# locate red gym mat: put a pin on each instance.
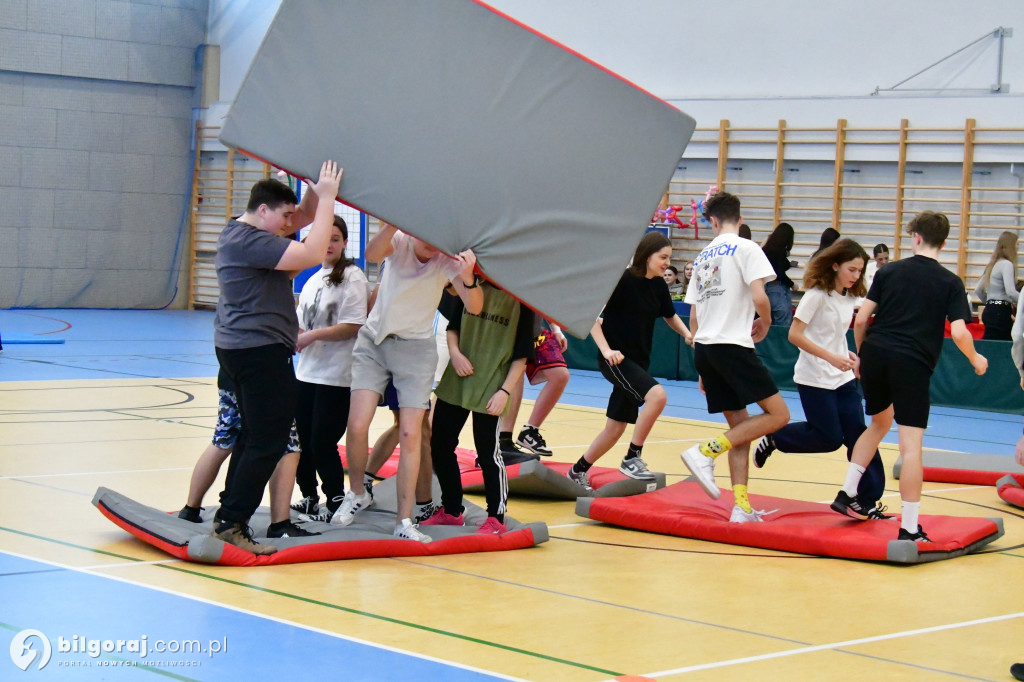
(682, 509)
(369, 537)
(1011, 490)
(944, 466)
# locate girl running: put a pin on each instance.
(623, 340)
(824, 372)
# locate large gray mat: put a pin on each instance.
(468, 130)
(371, 535)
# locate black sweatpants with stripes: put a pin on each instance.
(444, 438)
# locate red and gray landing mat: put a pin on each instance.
(370, 536)
(1011, 489)
(683, 510)
(534, 478)
(945, 466)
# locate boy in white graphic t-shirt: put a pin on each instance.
(726, 289)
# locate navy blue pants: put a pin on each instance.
(834, 418)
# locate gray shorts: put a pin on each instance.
(409, 363)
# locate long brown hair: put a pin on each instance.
(1006, 247)
(652, 243)
(337, 273)
(820, 273)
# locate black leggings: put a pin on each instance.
(267, 394)
(444, 438)
(321, 420)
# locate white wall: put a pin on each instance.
(755, 62)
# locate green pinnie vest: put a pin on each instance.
(487, 340)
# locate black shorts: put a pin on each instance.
(733, 376)
(895, 379)
(631, 383)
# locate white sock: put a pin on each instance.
(853, 475)
(911, 511)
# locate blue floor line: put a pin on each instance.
(64, 603)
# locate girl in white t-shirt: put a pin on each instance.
(824, 372)
(331, 310)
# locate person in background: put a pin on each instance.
(997, 288)
(675, 286)
(828, 237)
(745, 232)
(780, 290)
(880, 258)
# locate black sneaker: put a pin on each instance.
(877, 513)
(307, 505)
(191, 514)
(531, 440)
(765, 448)
(849, 506)
(325, 512)
(919, 536)
(1017, 670)
(511, 458)
(289, 530)
(509, 448)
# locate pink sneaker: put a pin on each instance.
(492, 526)
(442, 518)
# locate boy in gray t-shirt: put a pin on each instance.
(255, 331)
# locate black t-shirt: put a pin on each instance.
(630, 314)
(780, 263)
(914, 298)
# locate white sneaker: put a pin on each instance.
(703, 469)
(754, 516)
(350, 506)
(410, 531)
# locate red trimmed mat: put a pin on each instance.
(1011, 490)
(536, 478)
(682, 509)
(369, 537)
(944, 466)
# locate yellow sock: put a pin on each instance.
(739, 492)
(713, 448)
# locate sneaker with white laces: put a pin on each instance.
(635, 467)
(443, 518)
(530, 439)
(580, 478)
(350, 506)
(422, 512)
(765, 448)
(307, 505)
(703, 469)
(492, 526)
(849, 506)
(740, 516)
(409, 531)
(325, 512)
